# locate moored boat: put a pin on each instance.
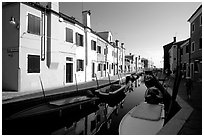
(110, 92)
(148, 117)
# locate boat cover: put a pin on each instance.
(147, 111)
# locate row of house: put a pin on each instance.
(39, 43)
(135, 63)
(187, 53)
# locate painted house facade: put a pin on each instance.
(166, 49)
(196, 44)
(185, 58)
(39, 43)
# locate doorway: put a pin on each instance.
(93, 70)
(69, 72)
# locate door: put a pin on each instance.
(191, 70)
(93, 70)
(69, 72)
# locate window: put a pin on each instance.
(107, 64)
(187, 49)
(184, 66)
(33, 24)
(79, 39)
(196, 66)
(99, 49)
(69, 59)
(93, 45)
(193, 27)
(181, 51)
(33, 64)
(104, 67)
(200, 43)
(99, 67)
(69, 35)
(192, 46)
(80, 65)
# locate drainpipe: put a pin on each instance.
(117, 41)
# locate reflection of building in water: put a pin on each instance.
(100, 115)
(91, 125)
(80, 127)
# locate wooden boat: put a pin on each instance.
(51, 107)
(110, 92)
(147, 118)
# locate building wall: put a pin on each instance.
(80, 54)
(52, 49)
(196, 35)
(10, 41)
(185, 59)
(173, 58)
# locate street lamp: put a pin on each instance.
(14, 22)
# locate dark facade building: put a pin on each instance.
(166, 48)
(196, 44)
(185, 58)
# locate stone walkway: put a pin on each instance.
(193, 125)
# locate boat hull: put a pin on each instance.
(136, 126)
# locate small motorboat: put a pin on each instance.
(110, 92)
(147, 118)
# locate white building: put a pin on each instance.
(40, 43)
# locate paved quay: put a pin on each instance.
(10, 97)
(193, 122)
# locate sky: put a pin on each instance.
(143, 27)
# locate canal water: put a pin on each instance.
(99, 118)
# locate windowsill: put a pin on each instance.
(196, 72)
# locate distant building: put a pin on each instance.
(196, 44)
(166, 54)
(185, 58)
(175, 55)
(130, 63)
(144, 61)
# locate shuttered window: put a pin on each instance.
(80, 65)
(33, 24)
(69, 35)
(79, 39)
(99, 49)
(93, 45)
(33, 64)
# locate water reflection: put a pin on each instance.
(92, 118)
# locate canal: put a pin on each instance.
(131, 100)
(100, 118)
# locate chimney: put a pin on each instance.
(54, 6)
(117, 43)
(174, 39)
(86, 18)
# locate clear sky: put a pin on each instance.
(143, 27)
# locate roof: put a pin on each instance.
(180, 42)
(195, 13)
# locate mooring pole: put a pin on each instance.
(96, 81)
(76, 82)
